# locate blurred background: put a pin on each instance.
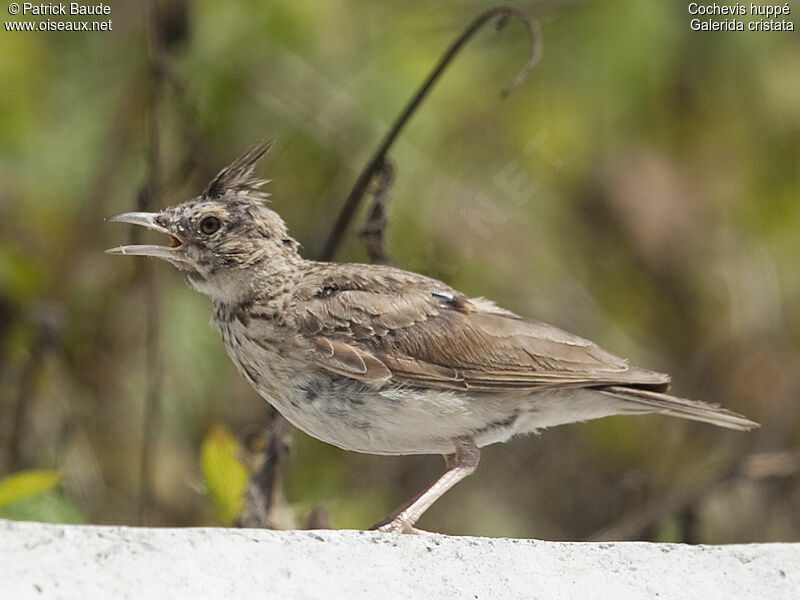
(641, 188)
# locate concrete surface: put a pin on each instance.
(66, 561)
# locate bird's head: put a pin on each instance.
(225, 238)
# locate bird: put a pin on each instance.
(375, 359)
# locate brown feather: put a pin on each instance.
(683, 408)
(344, 359)
(238, 175)
(428, 335)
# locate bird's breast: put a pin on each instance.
(262, 350)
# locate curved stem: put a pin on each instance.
(362, 183)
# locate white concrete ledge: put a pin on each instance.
(64, 561)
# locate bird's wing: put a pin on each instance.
(420, 332)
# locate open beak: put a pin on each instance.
(174, 252)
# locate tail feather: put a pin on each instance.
(680, 407)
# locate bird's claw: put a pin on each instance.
(400, 526)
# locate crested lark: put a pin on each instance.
(375, 359)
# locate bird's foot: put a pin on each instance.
(399, 525)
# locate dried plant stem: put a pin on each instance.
(373, 233)
(148, 199)
(262, 494)
(502, 13)
(49, 322)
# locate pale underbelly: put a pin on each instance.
(404, 420)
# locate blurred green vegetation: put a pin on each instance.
(642, 189)
(224, 476)
(31, 495)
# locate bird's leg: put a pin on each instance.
(459, 465)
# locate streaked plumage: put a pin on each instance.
(376, 359)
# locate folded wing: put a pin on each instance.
(432, 336)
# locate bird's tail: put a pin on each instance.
(656, 402)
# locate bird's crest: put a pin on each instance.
(238, 176)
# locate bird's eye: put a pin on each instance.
(209, 225)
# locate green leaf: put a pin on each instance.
(45, 507)
(24, 484)
(225, 477)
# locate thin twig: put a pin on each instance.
(7, 313)
(361, 185)
(373, 233)
(48, 318)
(148, 199)
(263, 491)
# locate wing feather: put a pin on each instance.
(420, 332)
(350, 361)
